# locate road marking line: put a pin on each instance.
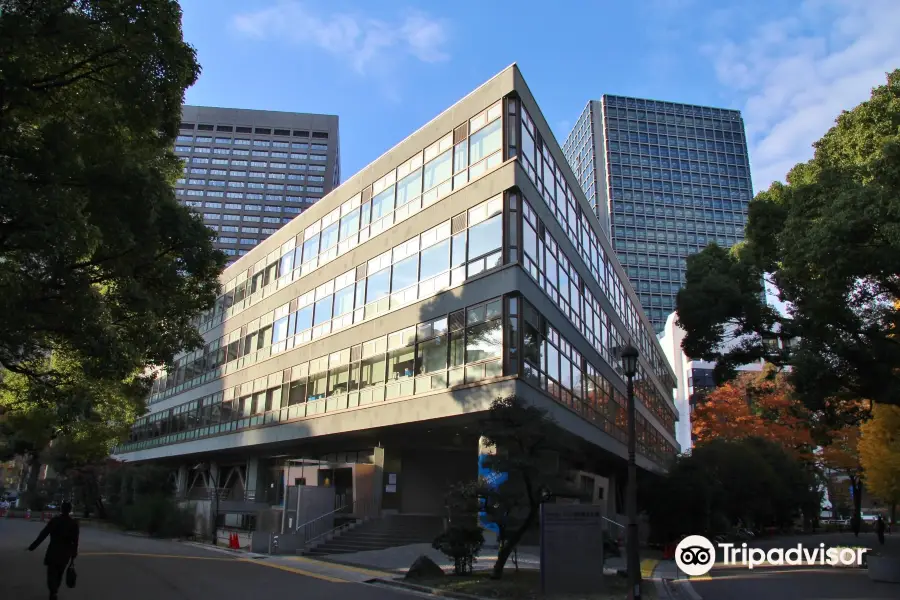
(244, 560)
(293, 570)
(647, 567)
(152, 555)
(335, 565)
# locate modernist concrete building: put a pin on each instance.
(665, 179)
(248, 172)
(358, 346)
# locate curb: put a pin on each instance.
(340, 563)
(229, 551)
(672, 587)
(423, 589)
(659, 583)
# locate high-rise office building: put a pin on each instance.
(248, 172)
(356, 349)
(665, 179)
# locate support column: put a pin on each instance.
(387, 477)
(212, 485)
(378, 484)
(181, 481)
(254, 487)
(212, 481)
(615, 505)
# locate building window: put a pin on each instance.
(484, 332)
(485, 142)
(433, 347)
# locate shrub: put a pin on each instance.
(156, 515)
(461, 543)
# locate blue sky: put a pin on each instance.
(387, 67)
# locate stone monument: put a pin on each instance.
(571, 548)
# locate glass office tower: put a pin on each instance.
(665, 179)
(249, 172)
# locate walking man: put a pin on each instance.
(879, 529)
(63, 548)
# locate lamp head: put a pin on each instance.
(629, 357)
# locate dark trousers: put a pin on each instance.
(881, 538)
(55, 574)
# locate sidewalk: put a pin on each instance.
(397, 560)
(393, 563)
(301, 565)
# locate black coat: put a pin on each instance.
(63, 532)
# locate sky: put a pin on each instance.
(387, 67)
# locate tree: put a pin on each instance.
(71, 424)
(102, 271)
(97, 258)
(829, 242)
(879, 454)
(755, 405)
(842, 456)
(723, 483)
(141, 498)
(526, 444)
(839, 495)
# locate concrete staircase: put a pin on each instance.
(380, 533)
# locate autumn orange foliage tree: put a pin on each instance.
(755, 405)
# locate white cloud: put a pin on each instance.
(797, 73)
(366, 44)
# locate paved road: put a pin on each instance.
(115, 566)
(799, 583)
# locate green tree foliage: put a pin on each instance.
(527, 446)
(462, 543)
(97, 259)
(829, 241)
(72, 423)
(102, 271)
(723, 483)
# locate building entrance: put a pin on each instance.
(341, 479)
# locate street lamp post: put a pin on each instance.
(629, 357)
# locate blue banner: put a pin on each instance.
(493, 480)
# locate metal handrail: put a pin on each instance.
(309, 541)
(328, 514)
(614, 522)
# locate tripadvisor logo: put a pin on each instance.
(695, 555)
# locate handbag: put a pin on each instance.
(71, 575)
